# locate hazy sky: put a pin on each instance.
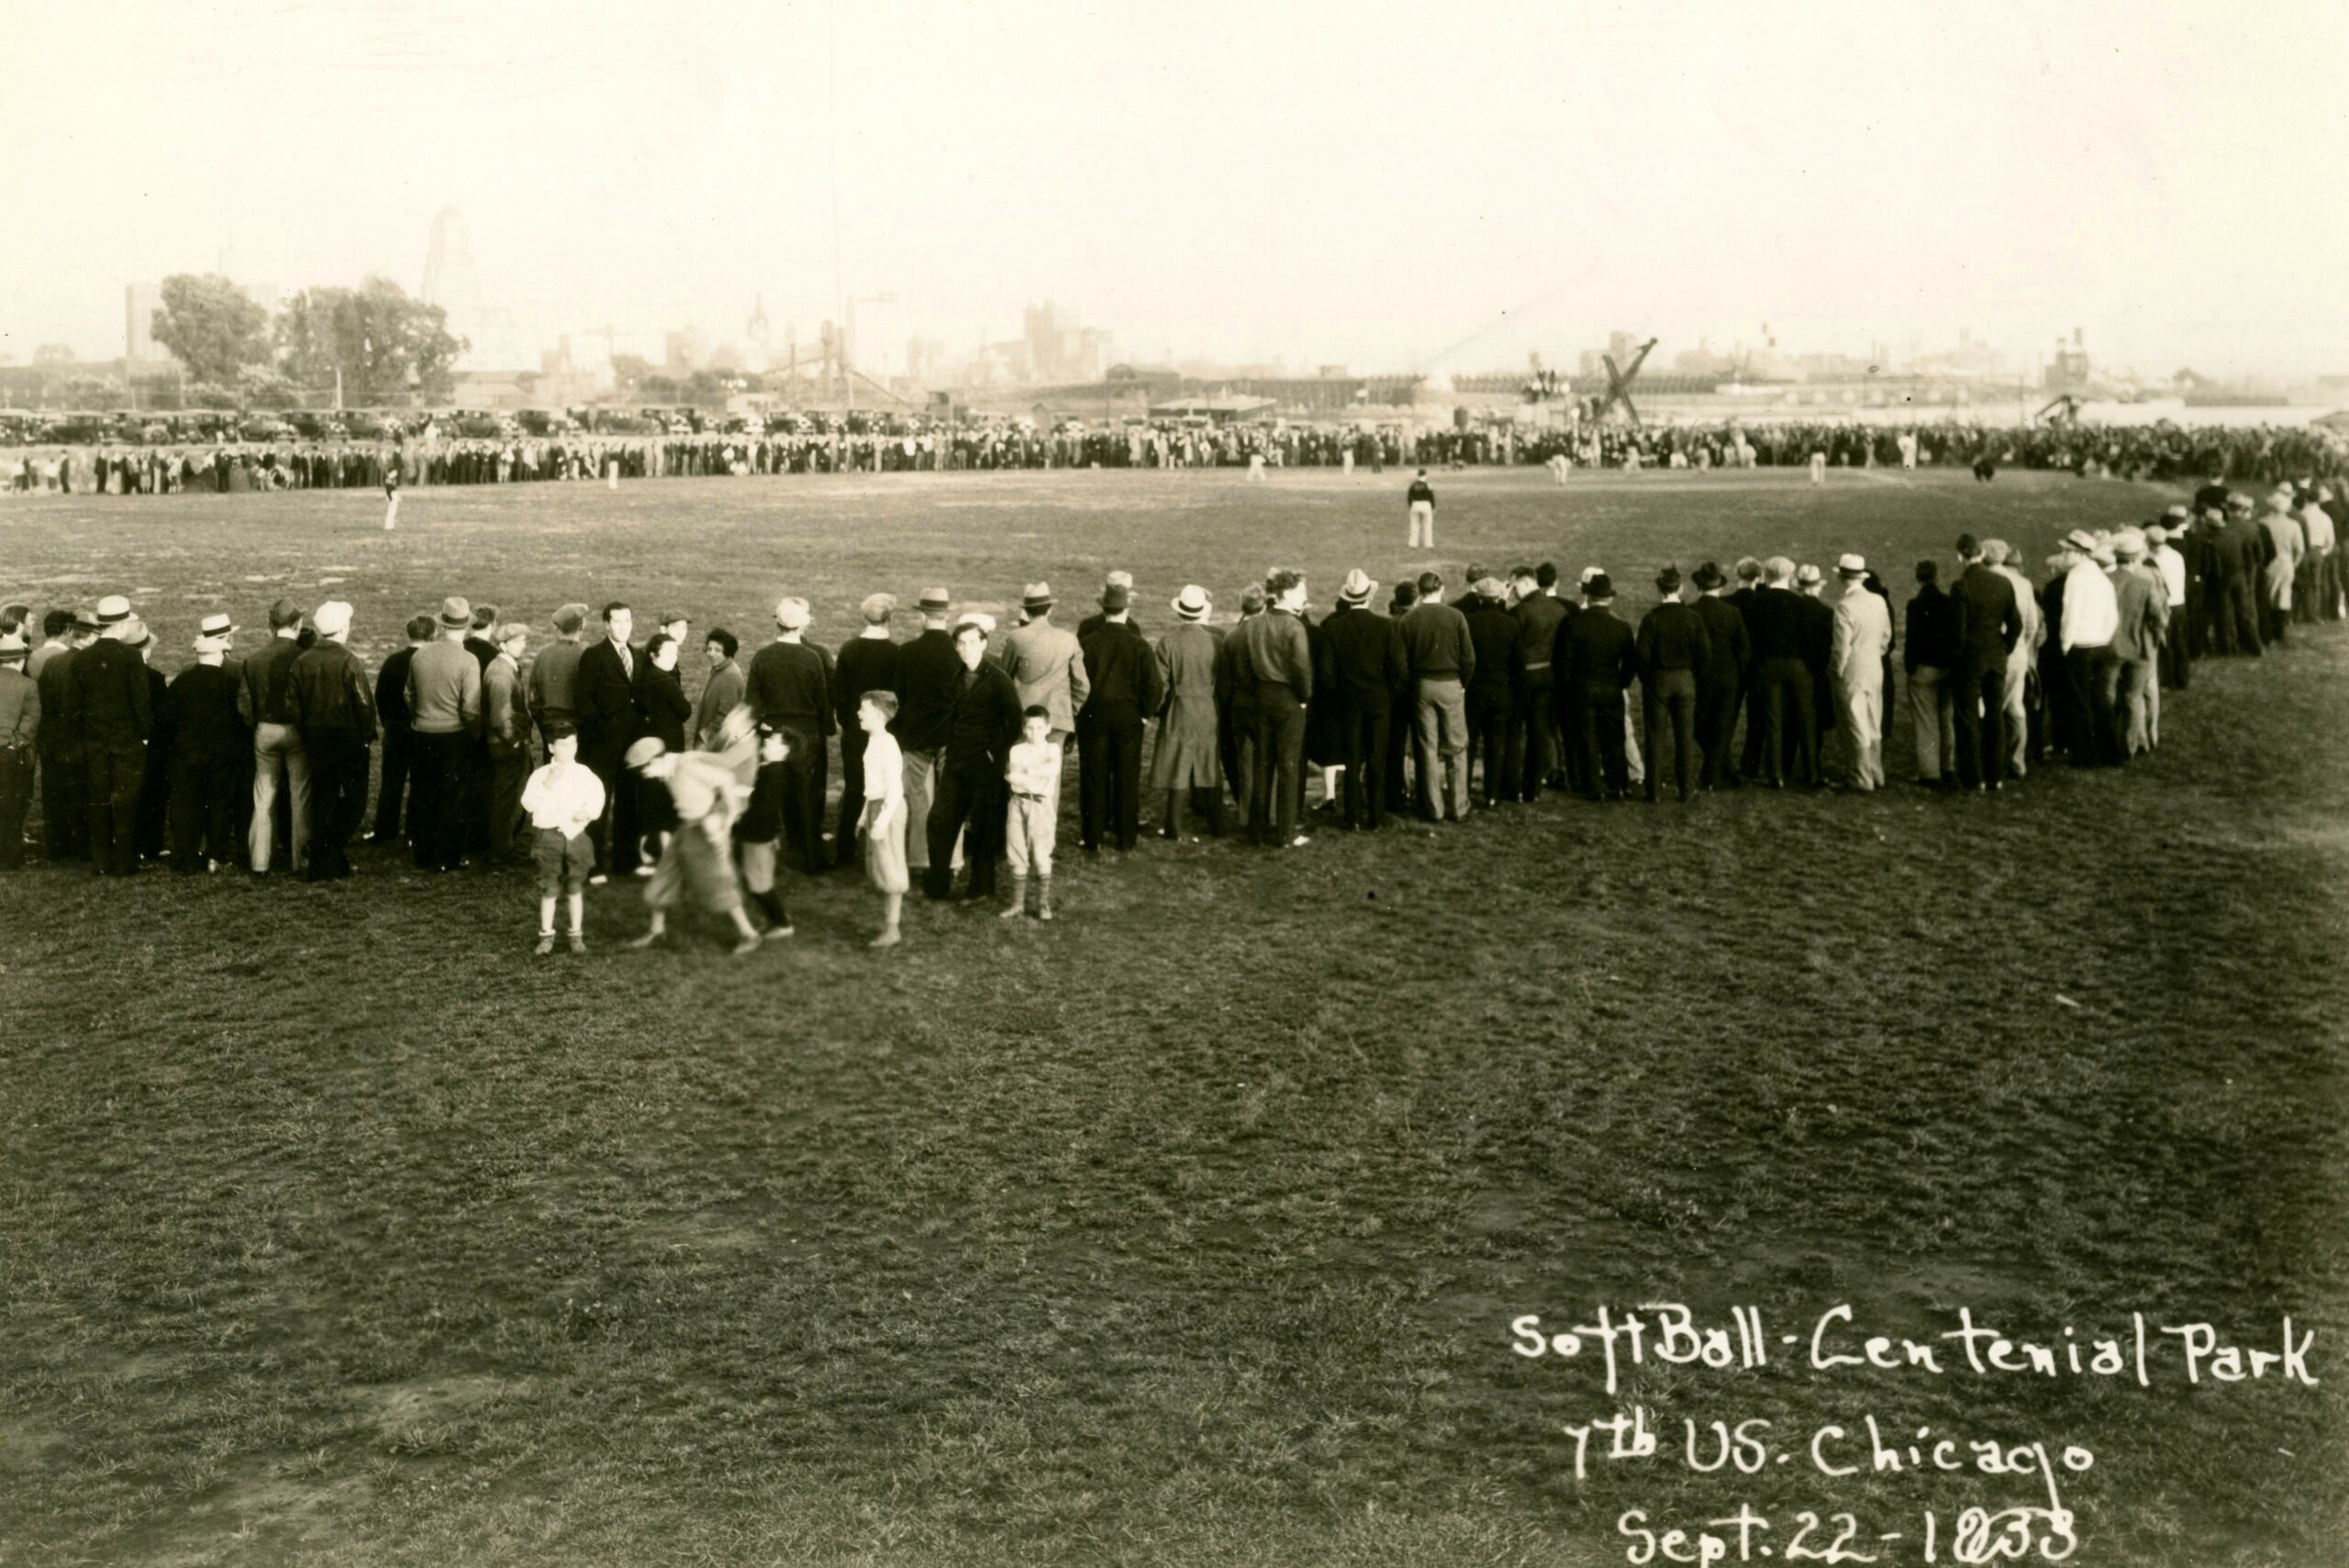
(1383, 185)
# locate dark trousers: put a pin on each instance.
(1236, 744)
(1790, 721)
(1717, 730)
(1532, 736)
(852, 742)
(439, 765)
(616, 834)
(338, 799)
(64, 809)
(509, 770)
(154, 802)
(2096, 724)
(2237, 620)
(1671, 700)
(203, 818)
(1108, 761)
(1978, 712)
(2177, 663)
(15, 801)
(117, 774)
(1490, 715)
(1278, 750)
(477, 828)
(1598, 726)
(969, 792)
(804, 773)
(1363, 725)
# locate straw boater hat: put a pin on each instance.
(2081, 541)
(980, 618)
(12, 649)
(216, 624)
(113, 610)
(1357, 588)
(1852, 565)
(134, 633)
(1036, 596)
(1192, 603)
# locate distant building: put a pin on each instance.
(1057, 348)
(2068, 371)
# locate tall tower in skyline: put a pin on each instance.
(450, 281)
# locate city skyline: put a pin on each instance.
(1444, 191)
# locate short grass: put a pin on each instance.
(1188, 1230)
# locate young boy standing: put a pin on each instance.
(882, 831)
(1033, 773)
(561, 799)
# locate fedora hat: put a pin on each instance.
(1192, 603)
(1357, 588)
(1707, 576)
(933, 599)
(456, 612)
(1036, 596)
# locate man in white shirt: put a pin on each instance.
(2091, 619)
(2023, 658)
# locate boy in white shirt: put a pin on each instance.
(1033, 773)
(882, 828)
(561, 799)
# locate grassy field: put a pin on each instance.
(1188, 1230)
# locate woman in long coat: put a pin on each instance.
(1188, 759)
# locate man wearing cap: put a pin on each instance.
(2168, 564)
(506, 728)
(1534, 736)
(111, 710)
(393, 718)
(554, 673)
(982, 723)
(328, 693)
(607, 689)
(1235, 697)
(1276, 653)
(1046, 665)
(1601, 657)
(2091, 619)
(1419, 503)
(64, 782)
(1988, 616)
(1489, 694)
(1362, 664)
(1862, 638)
(277, 745)
(1123, 687)
(2240, 552)
(929, 677)
(19, 735)
(867, 662)
(1721, 679)
(1443, 658)
(445, 716)
(210, 755)
(789, 687)
(1674, 648)
(1187, 761)
(2143, 607)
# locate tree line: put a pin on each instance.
(384, 345)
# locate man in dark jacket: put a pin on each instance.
(1720, 682)
(64, 783)
(1929, 659)
(1788, 714)
(609, 690)
(1742, 598)
(1123, 675)
(928, 678)
(391, 712)
(1817, 654)
(277, 745)
(1601, 657)
(789, 689)
(1491, 691)
(1361, 665)
(1533, 687)
(111, 712)
(1276, 656)
(981, 725)
(867, 662)
(209, 755)
(1672, 647)
(334, 709)
(1989, 620)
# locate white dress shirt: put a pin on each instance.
(2091, 610)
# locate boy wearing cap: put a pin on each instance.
(706, 797)
(335, 711)
(209, 755)
(1032, 776)
(563, 799)
(19, 732)
(867, 662)
(555, 672)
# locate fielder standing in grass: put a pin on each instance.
(1419, 502)
(881, 831)
(561, 799)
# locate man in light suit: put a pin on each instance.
(1046, 664)
(1863, 636)
(2145, 619)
